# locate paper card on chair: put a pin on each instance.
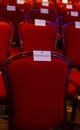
(45, 0)
(74, 13)
(45, 3)
(40, 22)
(11, 8)
(77, 24)
(20, 1)
(44, 11)
(42, 55)
(64, 1)
(69, 6)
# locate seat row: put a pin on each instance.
(59, 13)
(43, 36)
(37, 37)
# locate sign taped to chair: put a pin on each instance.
(69, 6)
(44, 11)
(74, 13)
(64, 1)
(20, 1)
(40, 22)
(77, 25)
(45, 3)
(11, 8)
(41, 55)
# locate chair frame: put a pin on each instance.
(10, 97)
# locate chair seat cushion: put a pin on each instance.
(75, 78)
(72, 92)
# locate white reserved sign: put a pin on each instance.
(42, 55)
(45, 3)
(45, 0)
(64, 1)
(44, 11)
(74, 13)
(20, 1)
(69, 6)
(11, 8)
(40, 22)
(77, 24)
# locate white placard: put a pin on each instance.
(45, 0)
(11, 8)
(45, 3)
(42, 55)
(40, 22)
(64, 1)
(20, 1)
(74, 13)
(44, 11)
(69, 6)
(77, 24)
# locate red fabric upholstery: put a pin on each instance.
(75, 78)
(71, 36)
(5, 41)
(40, 1)
(3, 2)
(65, 13)
(37, 37)
(77, 5)
(36, 91)
(66, 17)
(51, 16)
(72, 91)
(25, 6)
(39, 5)
(15, 17)
(2, 90)
(15, 50)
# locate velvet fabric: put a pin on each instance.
(5, 41)
(71, 36)
(37, 37)
(36, 91)
(15, 17)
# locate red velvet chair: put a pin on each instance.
(72, 49)
(71, 37)
(68, 13)
(71, 43)
(39, 5)
(48, 13)
(15, 15)
(6, 32)
(45, 14)
(33, 37)
(70, 16)
(6, 36)
(36, 91)
(26, 7)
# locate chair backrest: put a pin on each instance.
(70, 16)
(68, 13)
(36, 91)
(33, 37)
(71, 41)
(44, 13)
(50, 6)
(6, 33)
(14, 15)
